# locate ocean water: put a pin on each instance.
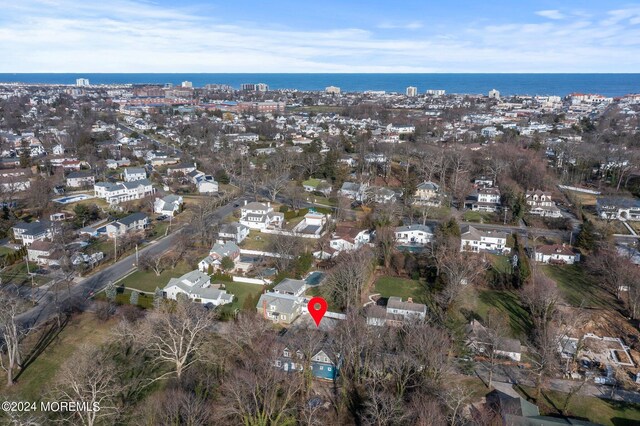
(507, 84)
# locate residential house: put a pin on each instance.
(181, 168)
(312, 223)
(196, 286)
(428, 193)
(317, 185)
(279, 307)
(235, 232)
(479, 340)
(116, 193)
(44, 253)
(206, 184)
(219, 251)
(169, 205)
(344, 238)
(291, 287)
(485, 200)
(80, 179)
(383, 195)
(556, 254)
(28, 233)
(324, 364)
(256, 215)
(475, 240)
(418, 235)
(132, 223)
(621, 208)
(132, 174)
(396, 312)
(540, 203)
(114, 164)
(354, 191)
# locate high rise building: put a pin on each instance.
(82, 82)
(412, 91)
(262, 87)
(435, 92)
(254, 87)
(187, 84)
(494, 94)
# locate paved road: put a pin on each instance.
(80, 292)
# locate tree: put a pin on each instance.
(459, 269)
(156, 263)
(12, 333)
(386, 243)
(89, 376)
(175, 335)
(587, 237)
(287, 247)
(496, 326)
(158, 297)
(346, 281)
(133, 299)
(111, 291)
(226, 263)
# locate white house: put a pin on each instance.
(427, 193)
(475, 240)
(134, 222)
(235, 231)
(312, 223)
(344, 238)
(116, 193)
(401, 129)
(541, 204)
(618, 208)
(486, 200)
(196, 286)
(354, 191)
(28, 233)
(396, 312)
(418, 235)
(556, 253)
(132, 174)
(260, 216)
(220, 250)
(479, 340)
(80, 179)
(43, 253)
(291, 286)
(169, 205)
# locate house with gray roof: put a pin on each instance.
(28, 233)
(621, 208)
(279, 307)
(116, 193)
(220, 250)
(476, 240)
(169, 205)
(80, 179)
(235, 232)
(132, 174)
(196, 286)
(132, 223)
(291, 286)
(414, 235)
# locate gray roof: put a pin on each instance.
(397, 303)
(618, 202)
(350, 186)
(226, 249)
(132, 218)
(231, 228)
(471, 233)
(284, 303)
(170, 199)
(136, 183)
(32, 228)
(429, 186)
(290, 286)
(80, 174)
(134, 171)
(415, 227)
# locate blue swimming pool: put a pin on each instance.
(314, 278)
(72, 199)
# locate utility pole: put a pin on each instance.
(136, 254)
(115, 246)
(33, 289)
(505, 216)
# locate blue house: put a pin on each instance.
(324, 364)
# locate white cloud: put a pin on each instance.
(550, 14)
(414, 25)
(126, 36)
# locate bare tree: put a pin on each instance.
(346, 281)
(90, 377)
(177, 406)
(385, 243)
(287, 247)
(12, 334)
(459, 270)
(156, 263)
(175, 335)
(496, 326)
(275, 183)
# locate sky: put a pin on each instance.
(326, 36)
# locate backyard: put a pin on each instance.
(148, 280)
(577, 287)
(389, 286)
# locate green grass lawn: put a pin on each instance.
(148, 281)
(401, 287)
(255, 241)
(38, 376)
(478, 217)
(241, 291)
(501, 263)
(601, 411)
(5, 250)
(508, 303)
(577, 287)
(17, 274)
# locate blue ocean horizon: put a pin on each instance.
(508, 84)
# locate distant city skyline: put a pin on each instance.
(323, 37)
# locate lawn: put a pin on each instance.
(255, 241)
(17, 274)
(401, 287)
(148, 281)
(577, 287)
(601, 411)
(241, 291)
(39, 374)
(478, 217)
(508, 303)
(5, 250)
(501, 263)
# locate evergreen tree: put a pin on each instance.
(111, 291)
(586, 238)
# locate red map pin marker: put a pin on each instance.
(317, 308)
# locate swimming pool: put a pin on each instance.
(72, 198)
(314, 278)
